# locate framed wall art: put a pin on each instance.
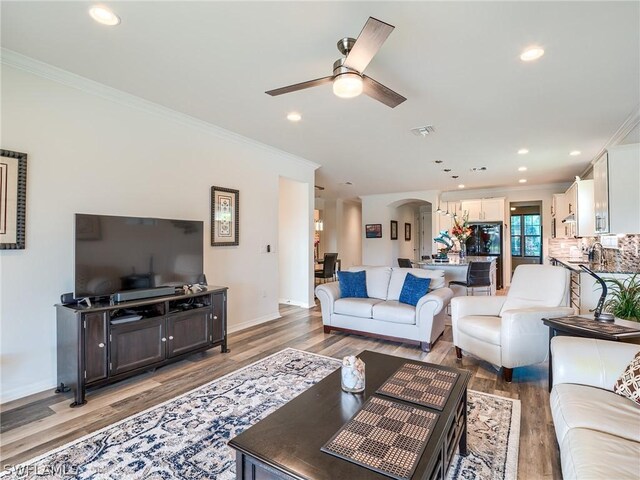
(13, 199)
(373, 230)
(225, 217)
(394, 230)
(407, 232)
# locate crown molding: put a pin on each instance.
(627, 126)
(64, 77)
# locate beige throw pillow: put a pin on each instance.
(628, 385)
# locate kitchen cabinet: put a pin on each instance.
(559, 211)
(486, 209)
(580, 219)
(616, 193)
(601, 194)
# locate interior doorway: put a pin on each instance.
(526, 234)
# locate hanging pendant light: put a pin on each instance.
(439, 210)
(448, 213)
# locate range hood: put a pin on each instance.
(571, 218)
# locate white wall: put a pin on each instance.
(116, 154)
(350, 232)
(382, 209)
(293, 244)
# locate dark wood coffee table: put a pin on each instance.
(286, 444)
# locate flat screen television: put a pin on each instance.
(115, 254)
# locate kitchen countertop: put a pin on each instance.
(574, 265)
(454, 261)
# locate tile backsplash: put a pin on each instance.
(626, 257)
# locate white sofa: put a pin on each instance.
(598, 431)
(381, 314)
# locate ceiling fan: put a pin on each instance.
(348, 79)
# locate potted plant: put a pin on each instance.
(623, 299)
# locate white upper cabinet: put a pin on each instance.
(601, 194)
(473, 208)
(486, 209)
(580, 218)
(617, 190)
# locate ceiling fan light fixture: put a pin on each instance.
(347, 85)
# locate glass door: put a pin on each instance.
(526, 239)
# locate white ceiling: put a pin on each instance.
(456, 62)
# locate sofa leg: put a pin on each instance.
(327, 329)
(507, 373)
(425, 346)
(458, 352)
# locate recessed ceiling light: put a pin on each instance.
(523, 180)
(523, 151)
(573, 153)
(455, 176)
(294, 117)
(446, 170)
(531, 53)
(522, 169)
(513, 209)
(104, 16)
(437, 161)
(461, 186)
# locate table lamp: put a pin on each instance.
(597, 313)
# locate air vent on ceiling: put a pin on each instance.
(423, 131)
(479, 169)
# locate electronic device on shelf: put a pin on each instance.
(130, 258)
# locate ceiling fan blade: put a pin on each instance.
(371, 38)
(299, 86)
(381, 93)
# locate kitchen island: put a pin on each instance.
(456, 269)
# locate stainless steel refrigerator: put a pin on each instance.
(486, 241)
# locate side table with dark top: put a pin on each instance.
(586, 326)
(287, 443)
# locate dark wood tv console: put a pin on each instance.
(106, 342)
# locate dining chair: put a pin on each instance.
(328, 267)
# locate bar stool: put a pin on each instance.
(478, 276)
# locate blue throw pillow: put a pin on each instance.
(353, 284)
(413, 289)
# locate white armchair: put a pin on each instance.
(508, 331)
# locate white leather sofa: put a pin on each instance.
(381, 314)
(598, 431)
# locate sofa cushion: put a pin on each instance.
(628, 385)
(413, 289)
(355, 307)
(482, 327)
(579, 406)
(590, 454)
(353, 284)
(394, 312)
(398, 275)
(377, 280)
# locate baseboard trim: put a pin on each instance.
(255, 321)
(287, 301)
(31, 389)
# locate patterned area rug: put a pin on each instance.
(185, 438)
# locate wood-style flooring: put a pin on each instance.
(41, 422)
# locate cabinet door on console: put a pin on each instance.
(137, 344)
(95, 345)
(219, 312)
(188, 330)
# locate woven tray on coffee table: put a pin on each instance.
(384, 436)
(429, 386)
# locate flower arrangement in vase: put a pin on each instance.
(461, 231)
(447, 241)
